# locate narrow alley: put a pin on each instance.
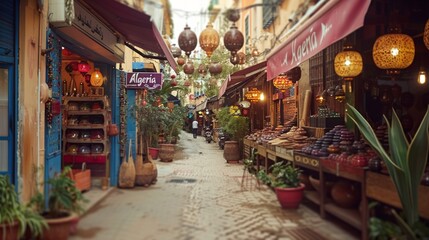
(200, 196)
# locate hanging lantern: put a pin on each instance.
(181, 61)
(348, 63)
(96, 78)
(340, 95)
(188, 68)
(233, 39)
(233, 15)
(187, 83)
(393, 52)
(426, 34)
(241, 58)
(282, 82)
(421, 79)
(176, 51)
(209, 40)
(83, 67)
(88, 79)
(255, 52)
(294, 74)
(253, 95)
(215, 68)
(187, 40)
(202, 69)
(234, 59)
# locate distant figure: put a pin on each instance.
(195, 128)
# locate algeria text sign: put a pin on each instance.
(144, 80)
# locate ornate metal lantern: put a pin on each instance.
(83, 67)
(176, 51)
(233, 15)
(188, 68)
(233, 39)
(234, 59)
(348, 63)
(241, 58)
(209, 40)
(340, 95)
(187, 40)
(202, 69)
(215, 68)
(282, 82)
(426, 34)
(393, 52)
(253, 95)
(180, 61)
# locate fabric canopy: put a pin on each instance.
(334, 21)
(134, 25)
(241, 76)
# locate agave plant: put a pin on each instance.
(405, 162)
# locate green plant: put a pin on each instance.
(173, 122)
(12, 210)
(405, 163)
(64, 197)
(283, 175)
(249, 163)
(234, 125)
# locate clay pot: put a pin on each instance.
(290, 197)
(231, 152)
(166, 152)
(346, 194)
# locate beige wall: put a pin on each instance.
(32, 38)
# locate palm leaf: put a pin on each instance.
(367, 132)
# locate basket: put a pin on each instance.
(82, 178)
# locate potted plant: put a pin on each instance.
(64, 202)
(286, 181)
(236, 127)
(405, 164)
(173, 120)
(16, 218)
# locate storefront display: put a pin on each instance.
(85, 133)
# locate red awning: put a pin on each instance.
(241, 76)
(134, 25)
(332, 22)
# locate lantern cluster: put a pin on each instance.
(253, 95)
(393, 51)
(282, 82)
(348, 63)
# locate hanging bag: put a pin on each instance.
(127, 171)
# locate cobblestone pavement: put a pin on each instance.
(200, 196)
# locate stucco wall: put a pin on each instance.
(30, 141)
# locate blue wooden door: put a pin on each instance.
(7, 128)
(53, 123)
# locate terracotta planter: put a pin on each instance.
(290, 197)
(154, 152)
(231, 152)
(59, 228)
(10, 231)
(166, 152)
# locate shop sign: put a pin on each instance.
(339, 21)
(144, 80)
(94, 28)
